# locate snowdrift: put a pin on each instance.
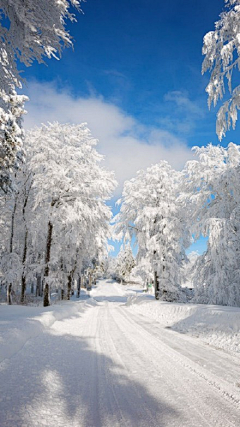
(216, 325)
(18, 324)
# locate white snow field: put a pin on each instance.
(112, 360)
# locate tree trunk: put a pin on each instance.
(156, 285)
(69, 287)
(9, 294)
(23, 288)
(71, 277)
(24, 257)
(9, 286)
(62, 294)
(46, 301)
(78, 286)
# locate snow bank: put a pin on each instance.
(216, 325)
(20, 323)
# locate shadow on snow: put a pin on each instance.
(69, 382)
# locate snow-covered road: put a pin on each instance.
(109, 366)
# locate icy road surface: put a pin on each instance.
(108, 366)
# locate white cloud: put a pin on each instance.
(127, 145)
(182, 101)
(183, 114)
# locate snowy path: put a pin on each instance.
(109, 366)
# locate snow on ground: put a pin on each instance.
(216, 325)
(18, 323)
(104, 362)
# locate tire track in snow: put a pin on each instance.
(159, 351)
(134, 399)
(218, 368)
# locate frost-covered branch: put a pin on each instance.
(221, 48)
(30, 31)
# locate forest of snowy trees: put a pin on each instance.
(55, 222)
(54, 219)
(164, 209)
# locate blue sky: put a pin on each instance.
(135, 77)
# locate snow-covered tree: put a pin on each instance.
(71, 189)
(110, 267)
(32, 30)
(10, 267)
(125, 262)
(221, 48)
(143, 271)
(151, 212)
(15, 225)
(213, 197)
(57, 222)
(29, 30)
(189, 268)
(11, 137)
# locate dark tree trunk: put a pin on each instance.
(78, 287)
(9, 294)
(48, 249)
(71, 278)
(156, 278)
(69, 286)
(23, 288)
(62, 294)
(156, 285)
(24, 257)
(46, 301)
(46, 295)
(9, 286)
